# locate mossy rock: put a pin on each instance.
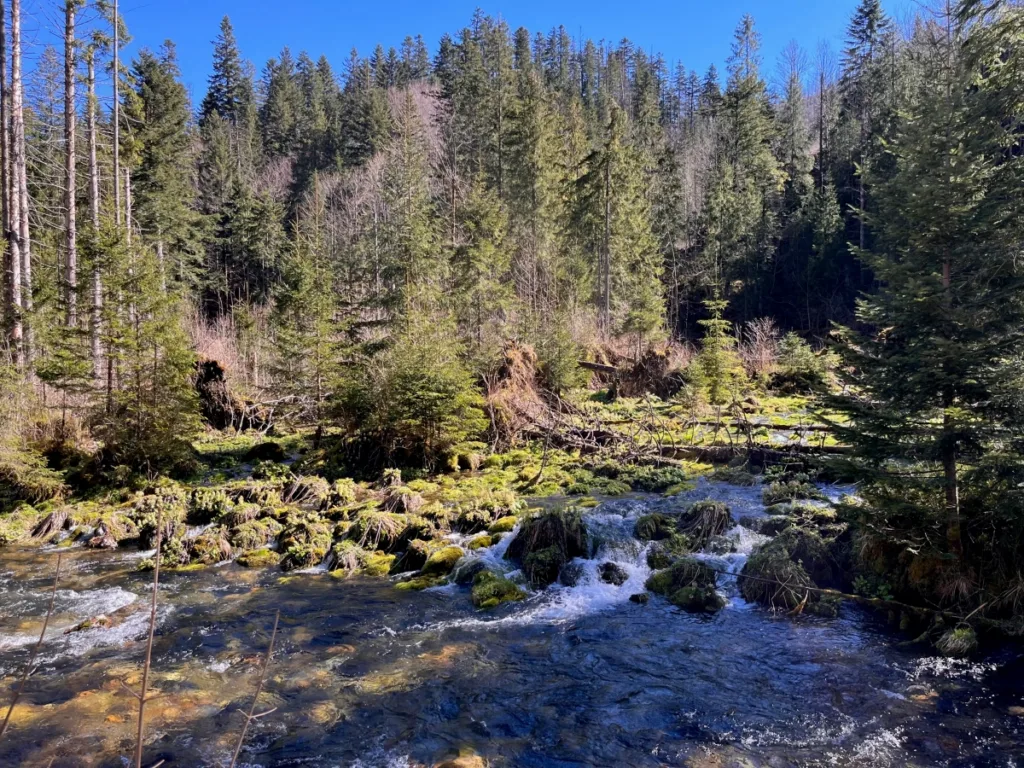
(686, 572)
(958, 642)
(442, 562)
(704, 520)
(206, 505)
(547, 542)
(809, 550)
(655, 527)
(344, 491)
(255, 534)
(241, 512)
(480, 542)
(793, 490)
(169, 507)
(491, 590)
(258, 558)
(305, 542)
(374, 529)
(415, 555)
(734, 476)
(419, 583)
(210, 547)
(613, 573)
(697, 599)
(771, 579)
(348, 558)
(503, 524)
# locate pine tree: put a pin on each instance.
(935, 414)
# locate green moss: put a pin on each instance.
(546, 542)
(305, 541)
(210, 547)
(961, 641)
(442, 562)
(490, 590)
(255, 534)
(654, 527)
(17, 526)
(503, 524)
(258, 558)
(480, 542)
(697, 599)
(374, 529)
(419, 583)
(792, 490)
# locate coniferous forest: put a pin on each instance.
(518, 315)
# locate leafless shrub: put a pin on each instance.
(759, 347)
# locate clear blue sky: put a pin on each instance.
(696, 32)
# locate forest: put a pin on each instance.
(402, 318)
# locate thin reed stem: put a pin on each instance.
(30, 667)
(259, 689)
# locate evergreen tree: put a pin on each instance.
(935, 414)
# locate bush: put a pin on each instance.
(799, 368)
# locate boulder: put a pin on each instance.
(689, 584)
(613, 573)
(490, 590)
(546, 542)
(704, 520)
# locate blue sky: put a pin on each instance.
(696, 32)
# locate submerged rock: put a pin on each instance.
(571, 574)
(490, 590)
(641, 597)
(546, 542)
(613, 573)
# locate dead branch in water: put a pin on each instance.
(251, 715)
(30, 667)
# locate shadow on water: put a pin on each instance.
(365, 675)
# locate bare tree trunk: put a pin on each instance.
(117, 119)
(94, 212)
(12, 256)
(70, 182)
(19, 184)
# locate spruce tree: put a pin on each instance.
(934, 414)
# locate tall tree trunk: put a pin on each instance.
(117, 118)
(12, 254)
(70, 183)
(19, 184)
(96, 328)
(606, 288)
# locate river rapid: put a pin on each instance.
(367, 675)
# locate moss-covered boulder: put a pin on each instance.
(259, 558)
(169, 507)
(255, 534)
(811, 551)
(348, 558)
(415, 555)
(481, 542)
(546, 542)
(704, 520)
(491, 590)
(957, 642)
(442, 562)
(210, 547)
(503, 524)
(304, 541)
(688, 584)
(770, 578)
(206, 505)
(375, 529)
(242, 512)
(792, 490)
(655, 527)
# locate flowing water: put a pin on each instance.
(366, 675)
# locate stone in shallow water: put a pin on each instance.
(641, 598)
(613, 573)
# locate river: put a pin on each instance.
(366, 675)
